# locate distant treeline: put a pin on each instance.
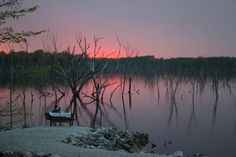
(29, 66)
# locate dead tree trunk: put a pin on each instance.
(129, 92)
(11, 92)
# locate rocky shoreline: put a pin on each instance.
(110, 139)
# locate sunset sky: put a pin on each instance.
(164, 28)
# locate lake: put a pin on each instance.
(177, 114)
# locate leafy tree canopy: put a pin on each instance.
(12, 9)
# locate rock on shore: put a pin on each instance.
(111, 139)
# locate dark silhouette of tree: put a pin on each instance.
(12, 9)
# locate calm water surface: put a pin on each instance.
(177, 115)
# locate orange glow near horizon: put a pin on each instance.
(5, 49)
(108, 54)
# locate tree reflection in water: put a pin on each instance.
(176, 106)
(192, 115)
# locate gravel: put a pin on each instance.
(49, 140)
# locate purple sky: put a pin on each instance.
(164, 28)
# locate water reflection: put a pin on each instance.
(195, 112)
(192, 118)
(171, 90)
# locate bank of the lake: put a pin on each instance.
(49, 140)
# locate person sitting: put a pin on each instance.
(56, 109)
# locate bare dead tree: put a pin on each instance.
(79, 68)
(51, 42)
(74, 72)
(129, 53)
(215, 88)
(25, 47)
(97, 69)
(158, 91)
(129, 93)
(71, 75)
(113, 92)
(11, 94)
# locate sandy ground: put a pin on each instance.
(49, 140)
